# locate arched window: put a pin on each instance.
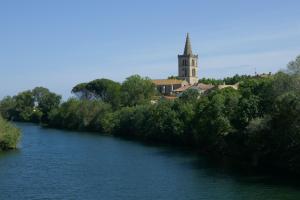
(194, 72)
(193, 62)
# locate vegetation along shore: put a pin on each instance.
(258, 123)
(9, 135)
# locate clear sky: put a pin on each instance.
(59, 43)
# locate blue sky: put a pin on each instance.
(59, 43)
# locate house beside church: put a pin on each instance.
(168, 86)
(200, 87)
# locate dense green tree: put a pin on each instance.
(7, 108)
(9, 135)
(285, 126)
(190, 95)
(228, 80)
(101, 89)
(24, 106)
(122, 122)
(80, 115)
(163, 123)
(236, 78)
(246, 110)
(137, 90)
(284, 83)
(45, 101)
(106, 90)
(81, 91)
(213, 119)
(294, 66)
(210, 81)
(186, 114)
(30, 106)
(260, 87)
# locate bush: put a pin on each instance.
(80, 115)
(9, 135)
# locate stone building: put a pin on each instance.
(187, 72)
(167, 86)
(200, 87)
(188, 64)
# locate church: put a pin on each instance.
(187, 72)
(187, 76)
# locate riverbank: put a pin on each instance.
(224, 160)
(59, 164)
(9, 135)
(256, 124)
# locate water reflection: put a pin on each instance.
(55, 164)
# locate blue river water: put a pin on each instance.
(56, 164)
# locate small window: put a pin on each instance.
(193, 62)
(194, 72)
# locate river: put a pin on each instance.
(57, 164)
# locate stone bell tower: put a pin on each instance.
(188, 64)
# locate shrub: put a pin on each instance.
(9, 135)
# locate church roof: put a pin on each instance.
(183, 88)
(188, 46)
(198, 86)
(167, 81)
(204, 87)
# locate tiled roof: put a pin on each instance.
(183, 88)
(204, 87)
(199, 86)
(167, 81)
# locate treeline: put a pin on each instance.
(30, 106)
(228, 80)
(258, 124)
(133, 91)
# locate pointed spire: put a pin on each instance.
(188, 46)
